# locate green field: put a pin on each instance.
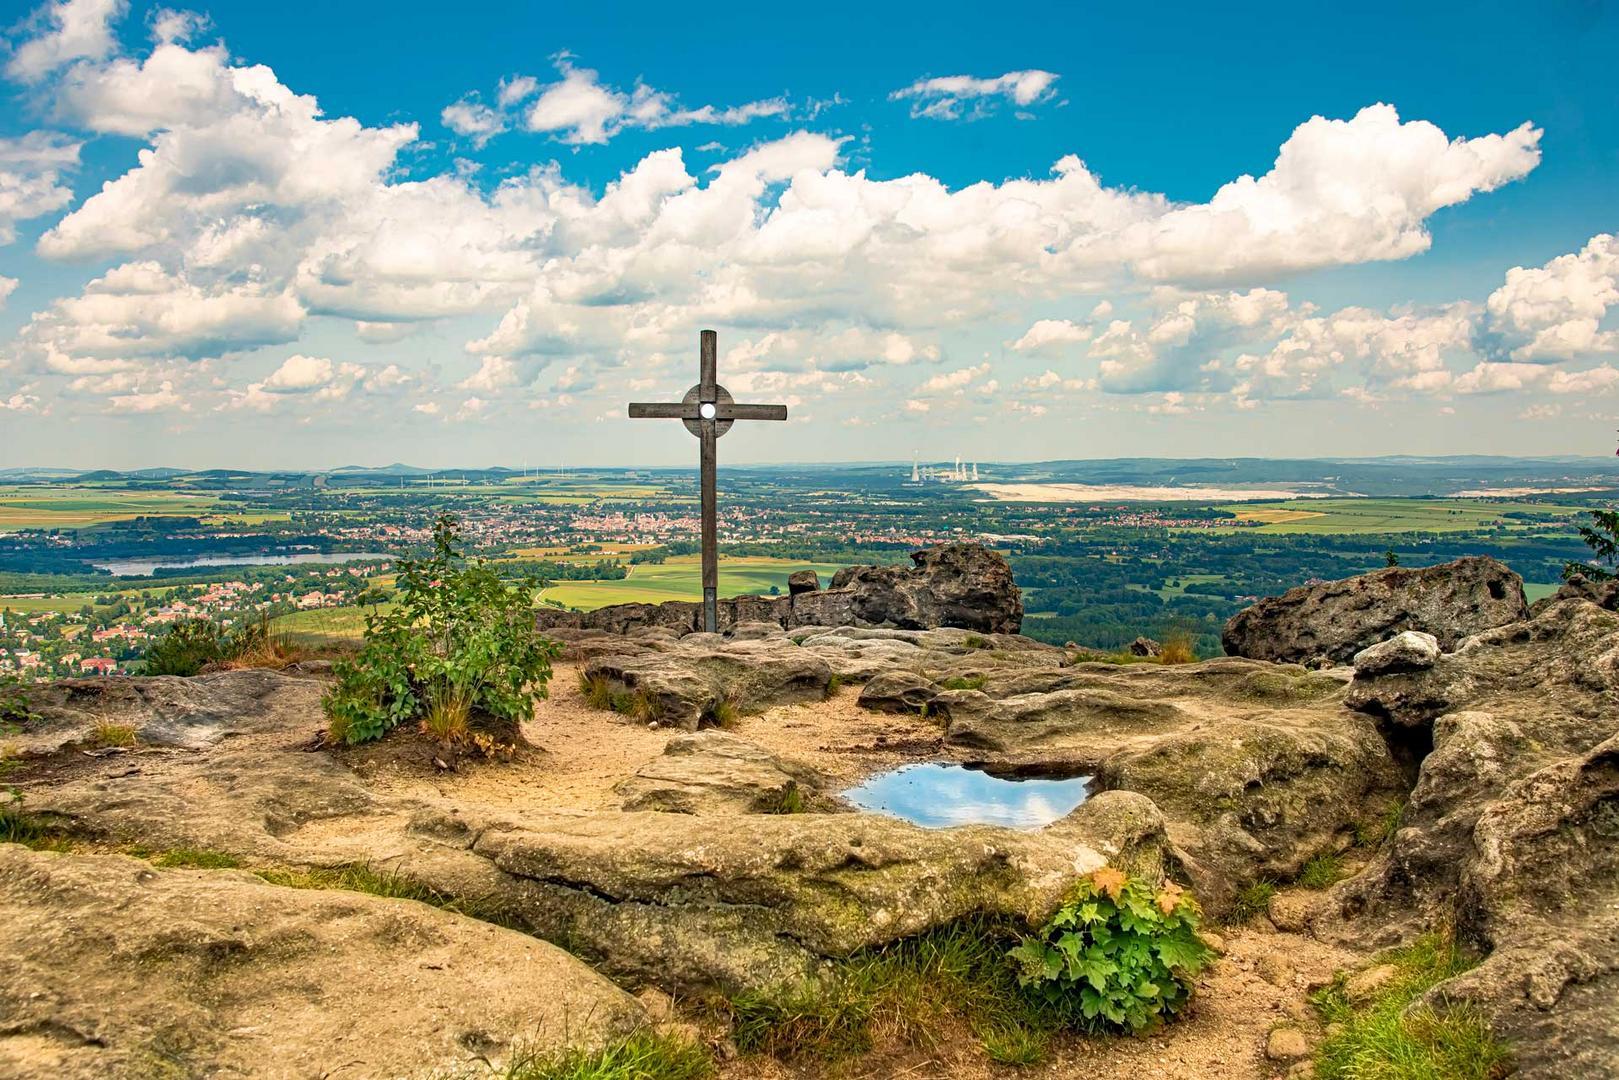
(74, 507)
(680, 578)
(324, 626)
(1388, 515)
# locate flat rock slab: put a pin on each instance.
(111, 968)
(715, 772)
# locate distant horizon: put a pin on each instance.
(402, 466)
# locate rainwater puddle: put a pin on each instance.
(940, 795)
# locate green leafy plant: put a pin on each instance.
(1118, 954)
(457, 636)
(965, 682)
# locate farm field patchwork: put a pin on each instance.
(680, 578)
(1389, 515)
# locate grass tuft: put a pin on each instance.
(195, 859)
(965, 682)
(789, 801)
(724, 714)
(449, 717)
(974, 641)
(1252, 899)
(833, 685)
(597, 690)
(108, 733)
(1377, 831)
(912, 993)
(646, 1055)
(1177, 649)
(361, 877)
(1387, 1038)
(1321, 872)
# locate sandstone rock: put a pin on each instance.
(165, 711)
(1290, 911)
(1365, 984)
(1275, 968)
(1339, 618)
(898, 692)
(1604, 593)
(713, 771)
(1511, 830)
(1145, 646)
(961, 585)
(1409, 650)
(111, 968)
(1287, 1044)
(684, 685)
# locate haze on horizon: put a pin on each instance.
(299, 238)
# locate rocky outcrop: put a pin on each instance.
(1603, 593)
(1337, 619)
(1409, 650)
(960, 585)
(109, 967)
(714, 772)
(1512, 829)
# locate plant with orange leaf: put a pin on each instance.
(1120, 953)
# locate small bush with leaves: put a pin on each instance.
(188, 647)
(458, 639)
(1118, 954)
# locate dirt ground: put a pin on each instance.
(581, 752)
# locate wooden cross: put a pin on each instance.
(708, 410)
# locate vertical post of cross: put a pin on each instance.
(708, 466)
(708, 411)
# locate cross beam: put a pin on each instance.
(708, 411)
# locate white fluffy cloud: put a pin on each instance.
(1340, 191)
(1050, 334)
(31, 169)
(1554, 312)
(950, 97)
(69, 30)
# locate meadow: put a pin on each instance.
(680, 578)
(77, 507)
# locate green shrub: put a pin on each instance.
(457, 632)
(1118, 954)
(1386, 1038)
(188, 647)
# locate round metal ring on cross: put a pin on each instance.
(698, 411)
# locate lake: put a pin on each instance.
(941, 795)
(148, 567)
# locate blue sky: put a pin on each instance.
(367, 232)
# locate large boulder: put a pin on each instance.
(109, 967)
(961, 585)
(1337, 619)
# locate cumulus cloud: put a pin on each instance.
(1341, 191)
(68, 30)
(950, 97)
(1554, 312)
(31, 169)
(1049, 334)
(473, 120)
(7, 285)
